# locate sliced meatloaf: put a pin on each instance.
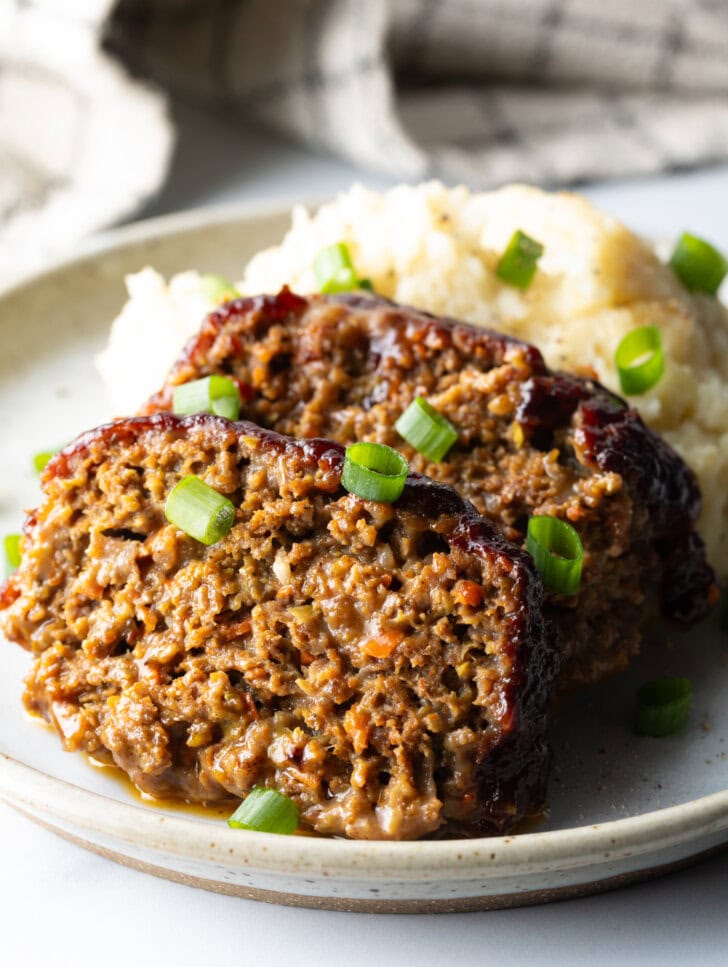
(384, 665)
(530, 441)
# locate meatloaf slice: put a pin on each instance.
(531, 441)
(384, 665)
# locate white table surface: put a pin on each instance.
(53, 893)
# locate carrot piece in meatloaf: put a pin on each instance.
(530, 441)
(384, 665)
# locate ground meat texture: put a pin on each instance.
(530, 441)
(385, 665)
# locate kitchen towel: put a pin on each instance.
(479, 91)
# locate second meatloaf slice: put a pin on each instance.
(384, 665)
(530, 441)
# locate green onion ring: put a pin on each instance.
(266, 811)
(11, 546)
(517, 264)
(42, 459)
(699, 266)
(216, 288)
(199, 510)
(335, 272)
(663, 706)
(374, 471)
(558, 552)
(211, 394)
(640, 360)
(428, 431)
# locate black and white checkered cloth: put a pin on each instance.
(480, 91)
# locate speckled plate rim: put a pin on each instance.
(60, 801)
(496, 857)
(158, 228)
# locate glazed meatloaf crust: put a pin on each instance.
(531, 441)
(384, 665)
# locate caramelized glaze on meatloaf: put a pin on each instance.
(384, 665)
(531, 441)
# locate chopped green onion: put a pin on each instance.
(212, 394)
(699, 266)
(42, 459)
(335, 271)
(557, 550)
(199, 510)
(11, 545)
(517, 265)
(216, 288)
(640, 360)
(663, 706)
(374, 471)
(266, 811)
(426, 430)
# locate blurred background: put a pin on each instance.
(116, 109)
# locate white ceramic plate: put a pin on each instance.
(621, 807)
